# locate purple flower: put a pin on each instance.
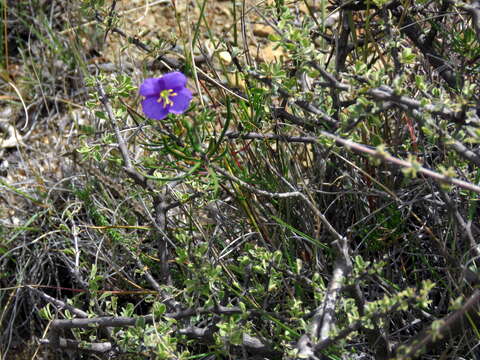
(166, 94)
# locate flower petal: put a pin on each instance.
(181, 101)
(151, 87)
(153, 109)
(174, 80)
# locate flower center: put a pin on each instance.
(165, 96)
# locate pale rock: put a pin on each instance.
(209, 47)
(225, 57)
(270, 54)
(332, 20)
(262, 30)
(12, 138)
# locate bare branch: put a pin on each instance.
(58, 303)
(452, 325)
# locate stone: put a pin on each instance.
(262, 30)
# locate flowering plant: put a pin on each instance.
(164, 95)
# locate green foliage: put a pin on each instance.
(279, 203)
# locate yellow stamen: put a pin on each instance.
(165, 97)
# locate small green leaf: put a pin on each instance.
(159, 309)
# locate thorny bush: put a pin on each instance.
(321, 204)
